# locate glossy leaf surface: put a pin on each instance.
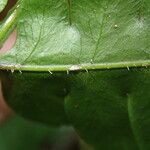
(56, 35)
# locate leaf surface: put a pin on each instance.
(37, 96)
(109, 105)
(72, 35)
(110, 109)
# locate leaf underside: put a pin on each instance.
(109, 108)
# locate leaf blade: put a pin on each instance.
(105, 32)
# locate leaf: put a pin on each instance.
(73, 35)
(110, 109)
(139, 113)
(108, 106)
(37, 96)
(97, 107)
(2, 4)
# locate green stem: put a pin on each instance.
(9, 24)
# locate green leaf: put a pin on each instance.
(38, 96)
(3, 4)
(73, 35)
(138, 105)
(109, 108)
(109, 105)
